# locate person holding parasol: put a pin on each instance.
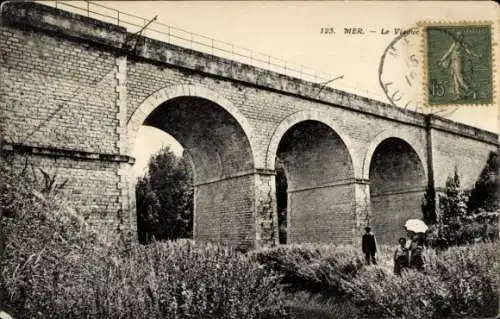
(415, 229)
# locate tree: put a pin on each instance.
(148, 208)
(453, 210)
(429, 206)
(486, 192)
(458, 224)
(165, 198)
(281, 200)
(453, 205)
(446, 226)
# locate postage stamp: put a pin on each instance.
(458, 64)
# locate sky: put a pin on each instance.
(293, 31)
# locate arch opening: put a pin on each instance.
(319, 184)
(215, 141)
(221, 158)
(397, 187)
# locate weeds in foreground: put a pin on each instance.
(55, 265)
(460, 282)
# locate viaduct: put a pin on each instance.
(74, 92)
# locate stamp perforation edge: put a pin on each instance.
(422, 25)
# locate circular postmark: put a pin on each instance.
(400, 70)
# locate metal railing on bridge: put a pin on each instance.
(180, 37)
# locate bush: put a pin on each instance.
(204, 281)
(313, 268)
(441, 236)
(54, 265)
(380, 294)
(458, 282)
(470, 274)
(459, 224)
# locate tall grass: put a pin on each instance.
(312, 267)
(461, 282)
(55, 265)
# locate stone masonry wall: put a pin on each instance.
(322, 215)
(397, 184)
(81, 178)
(70, 86)
(320, 181)
(57, 93)
(62, 106)
(226, 216)
(469, 156)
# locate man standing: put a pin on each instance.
(369, 245)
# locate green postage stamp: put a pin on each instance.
(459, 66)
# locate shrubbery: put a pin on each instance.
(55, 266)
(442, 236)
(315, 268)
(470, 274)
(459, 282)
(461, 219)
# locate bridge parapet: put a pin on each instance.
(30, 15)
(450, 126)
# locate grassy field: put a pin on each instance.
(54, 266)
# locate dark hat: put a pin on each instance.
(368, 228)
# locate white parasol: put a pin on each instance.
(4, 315)
(416, 226)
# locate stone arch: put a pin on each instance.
(219, 142)
(298, 117)
(170, 92)
(402, 134)
(398, 178)
(320, 178)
